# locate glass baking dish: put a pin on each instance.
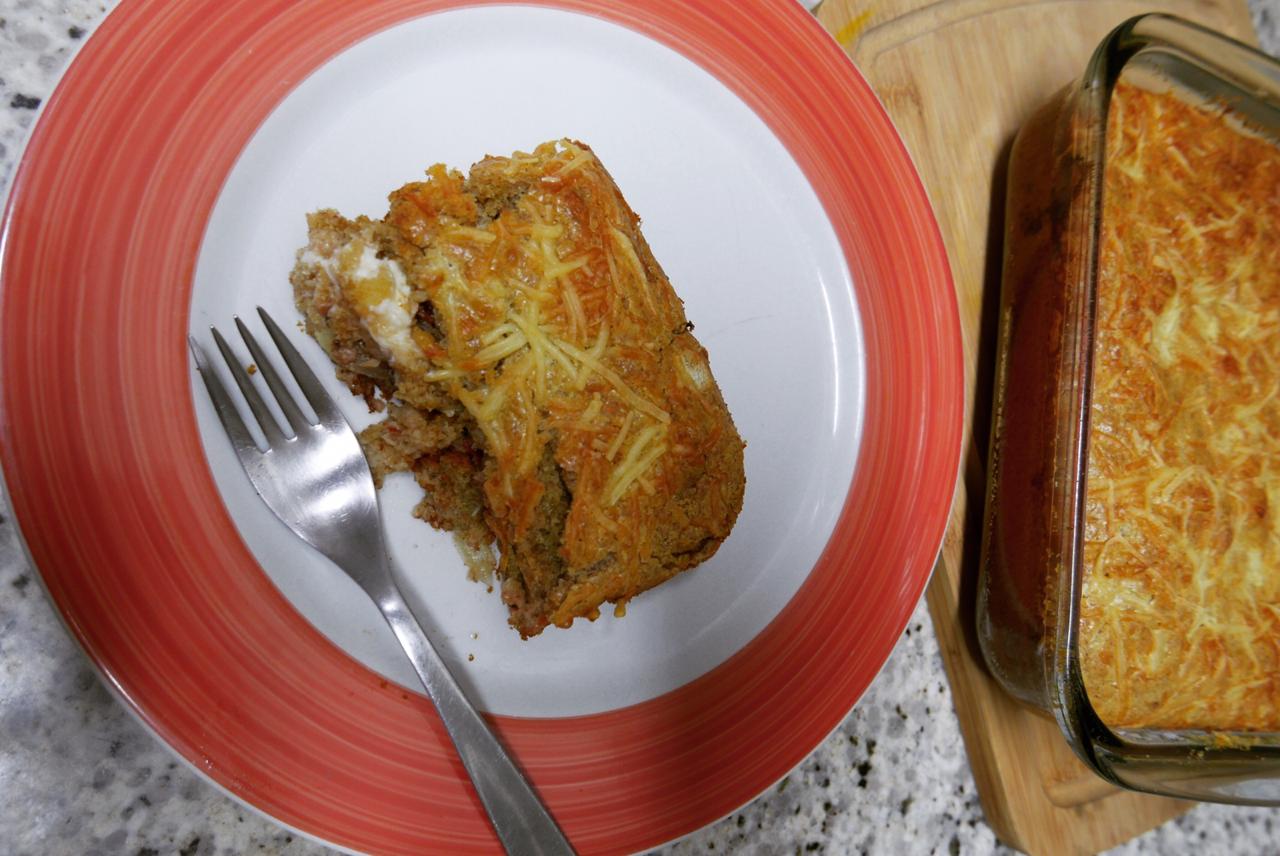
(1034, 624)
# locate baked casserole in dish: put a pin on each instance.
(1130, 579)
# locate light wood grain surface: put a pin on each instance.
(959, 78)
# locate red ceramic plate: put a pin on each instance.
(115, 496)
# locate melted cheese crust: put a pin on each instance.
(549, 323)
(1181, 597)
(525, 296)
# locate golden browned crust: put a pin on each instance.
(545, 387)
(1181, 598)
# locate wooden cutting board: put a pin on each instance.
(959, 77)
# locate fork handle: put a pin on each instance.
(521, 820)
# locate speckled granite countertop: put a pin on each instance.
(78, 775)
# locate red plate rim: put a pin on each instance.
(105, 472)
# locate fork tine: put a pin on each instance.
(260, 412)
(240, 437)
(310, 385)
(284, 398)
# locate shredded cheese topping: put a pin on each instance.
(1181, 599)
(545, 323)
(542, 382)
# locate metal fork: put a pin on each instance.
(319, 484)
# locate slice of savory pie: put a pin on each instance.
(540, 378)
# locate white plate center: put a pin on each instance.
(729, 216)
